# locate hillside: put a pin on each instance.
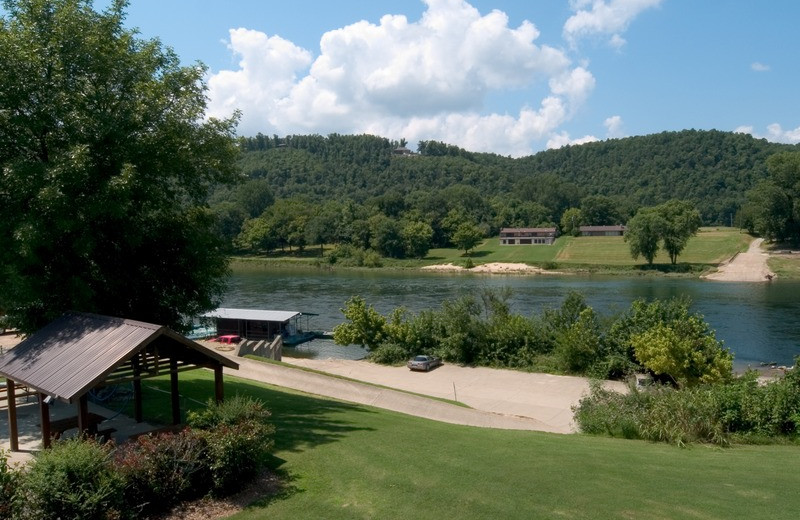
(711, 168)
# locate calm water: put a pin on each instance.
(758, 322)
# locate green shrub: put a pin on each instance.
(236, 433)
(236, 453)
(682, 417)
(74, 479)
(605, 412)
(389, 354)
(578, 345)
(161, 470)
(232, 411)
(8, 484)
(372, 259)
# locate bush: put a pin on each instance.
(390, 354)
(8, 484)
(235, 454)
(605, 412)
(161, 470)
(682, 417)
(74, 479)
(372, 259)
(236, 433)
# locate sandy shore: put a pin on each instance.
(750, 266)
(491, 268)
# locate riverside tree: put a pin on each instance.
(106, 161)
(643, 234)
(773, 207)
(671, 224)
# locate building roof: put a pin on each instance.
(601, 228)
(73, 354)
(252, 315)
(529, 230)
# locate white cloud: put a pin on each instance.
(613, 126)
(759, 67)
(775, 133)
(603, 17)
(424, 79)
(778, 135)
(563, 139)
(267, 71)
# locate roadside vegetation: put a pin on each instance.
(740, 410)
(693, 397)
(662, 337)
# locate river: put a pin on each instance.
(758, 322)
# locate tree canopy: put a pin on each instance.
(670, 224)
(773, 207)
(106, 162)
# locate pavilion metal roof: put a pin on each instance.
(72, 354)
(252, 315)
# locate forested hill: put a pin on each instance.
(710, 168)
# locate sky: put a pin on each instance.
(511, 77)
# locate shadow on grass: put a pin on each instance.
(477, 254)
(301, 421)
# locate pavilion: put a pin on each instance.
(79, 352)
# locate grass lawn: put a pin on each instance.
(710, 246)
(786, 267)
(349, 461)
(490, 250)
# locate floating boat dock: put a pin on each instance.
(257, 324)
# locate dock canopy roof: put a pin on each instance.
(252, 315)
(77, 352)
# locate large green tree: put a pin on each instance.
(106, 161)
(670, 225)
(644, 234)
(681, 222)
(773, 208)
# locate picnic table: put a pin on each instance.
(59, 426)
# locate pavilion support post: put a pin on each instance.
(83, 414)
(44, 416)
(137, 391)
(173, 383)
(13, 433)
(219, 393)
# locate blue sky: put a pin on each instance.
(510, 77)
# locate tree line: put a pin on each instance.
(660, 336)
(772, 209)
(713, 170)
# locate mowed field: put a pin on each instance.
(345, 461)
(711, 246)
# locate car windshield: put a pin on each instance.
(421, 358)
